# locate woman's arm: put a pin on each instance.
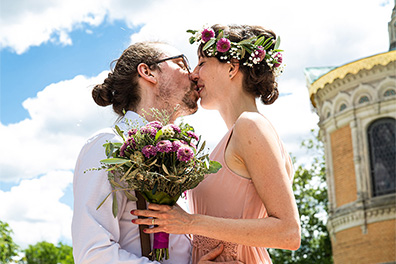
(255, 143)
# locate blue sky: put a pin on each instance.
(53, 52)
(22, 76)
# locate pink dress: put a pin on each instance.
(228, 195)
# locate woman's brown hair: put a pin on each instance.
(258, 80)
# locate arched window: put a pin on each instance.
(342, 107)
(382, 147)
(363, 99)
(389, 92)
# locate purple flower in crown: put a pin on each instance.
(192, 135)
(207, 34)
(148, 130)
(164, 146)
(278, 58)
(223, 45)
(259, 54)
(132, 132)
(176, 128)
(149, 151)
(184, 153)
(176, 145)
(155, 124)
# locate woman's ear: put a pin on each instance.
(233, 68)
(146, 73)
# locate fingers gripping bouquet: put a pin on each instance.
(161, 161)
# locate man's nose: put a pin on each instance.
(194, 75)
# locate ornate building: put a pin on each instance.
(356, 104)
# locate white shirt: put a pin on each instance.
(97, 236)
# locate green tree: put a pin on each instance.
(65, 254)
(40, 253)
(310, 191)
(47, 253)
(8, 249)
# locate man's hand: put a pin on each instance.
(207, 259)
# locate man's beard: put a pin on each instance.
(190, 102)
(186, 106)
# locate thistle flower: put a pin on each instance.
(155, 124)
(131, 142)
(132, 132)
(149, 151)
(184, 153)
(193, 146)
(192, 135)
(148, 130)
(176, 145)
(207, 34)
(176, 128)
(123, 148)
(164, 146)
(223, 45)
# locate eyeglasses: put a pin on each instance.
(184, 60)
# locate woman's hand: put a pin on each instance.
(212, 255)
(165, 218)
(174, 220)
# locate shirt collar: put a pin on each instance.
(132, 118)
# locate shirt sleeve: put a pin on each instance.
(96, 233)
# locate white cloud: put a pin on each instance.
(26, 23)
(34, 212)
(313, 30)
(63, 115)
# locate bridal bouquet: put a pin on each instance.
(161, 161)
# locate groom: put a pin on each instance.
(147, 75)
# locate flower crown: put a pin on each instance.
(258, 48)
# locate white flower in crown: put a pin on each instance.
(259, 49)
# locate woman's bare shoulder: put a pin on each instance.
(252, 124)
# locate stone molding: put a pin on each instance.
(361, 213)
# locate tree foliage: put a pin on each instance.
(48, 253)
(8, 249)
(40, 253)
(310, 191)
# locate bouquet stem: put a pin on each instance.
(160, 247)
(161, 240)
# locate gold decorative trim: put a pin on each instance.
(353, 68)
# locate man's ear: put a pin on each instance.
(146, 73)
(233, 68)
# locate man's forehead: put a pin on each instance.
(168, 50)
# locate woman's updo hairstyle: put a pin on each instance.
(258, 80)
(120, 88)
